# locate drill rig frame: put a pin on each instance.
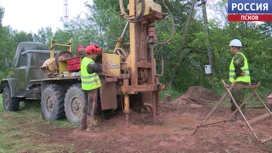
(138, 67)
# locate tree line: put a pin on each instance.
(184, 56)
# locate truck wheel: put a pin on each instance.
(52, 103)
(74, 103)
(10, 103)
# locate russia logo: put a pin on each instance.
(249, 10)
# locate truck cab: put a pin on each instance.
(28, 59)
(29, 68)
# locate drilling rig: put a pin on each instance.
(139, 66)
(129, 78)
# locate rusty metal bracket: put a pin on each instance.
(162, 70)
(111, 79)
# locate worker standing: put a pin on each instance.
(90, 82)
(239, 73)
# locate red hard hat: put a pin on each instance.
(93, 49)
(99, 50)
(80, 48)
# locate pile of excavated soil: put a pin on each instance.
(195, 96)
(174, 135)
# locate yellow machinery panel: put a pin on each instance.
(150, 8)
(110, 64)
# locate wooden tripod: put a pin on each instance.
(238, 108)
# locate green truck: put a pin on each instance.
(30, 83)
(43, 75)
(28, 59)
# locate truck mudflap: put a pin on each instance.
(11, 83)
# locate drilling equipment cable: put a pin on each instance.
(173, 28)
(138, 17)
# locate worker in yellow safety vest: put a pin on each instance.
(90, 82)
(238, 72)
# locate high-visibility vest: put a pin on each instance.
(245, 69)
(88, 81)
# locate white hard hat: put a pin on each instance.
(236, 43)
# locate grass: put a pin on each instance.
(19, 130)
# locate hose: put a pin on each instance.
(138, 17)
(146, 105)
(123, 54)
(173, 28)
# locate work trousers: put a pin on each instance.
(238, 94)
(90, 102)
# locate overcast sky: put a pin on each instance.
(31, 15)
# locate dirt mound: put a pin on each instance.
(195, 96)
(199, 92)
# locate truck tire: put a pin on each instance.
(10, 103)
(74, 104)
(52, 103)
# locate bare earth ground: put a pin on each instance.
(172, 132)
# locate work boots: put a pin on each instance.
(83, 123)
(234, 117)
(90, 123)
